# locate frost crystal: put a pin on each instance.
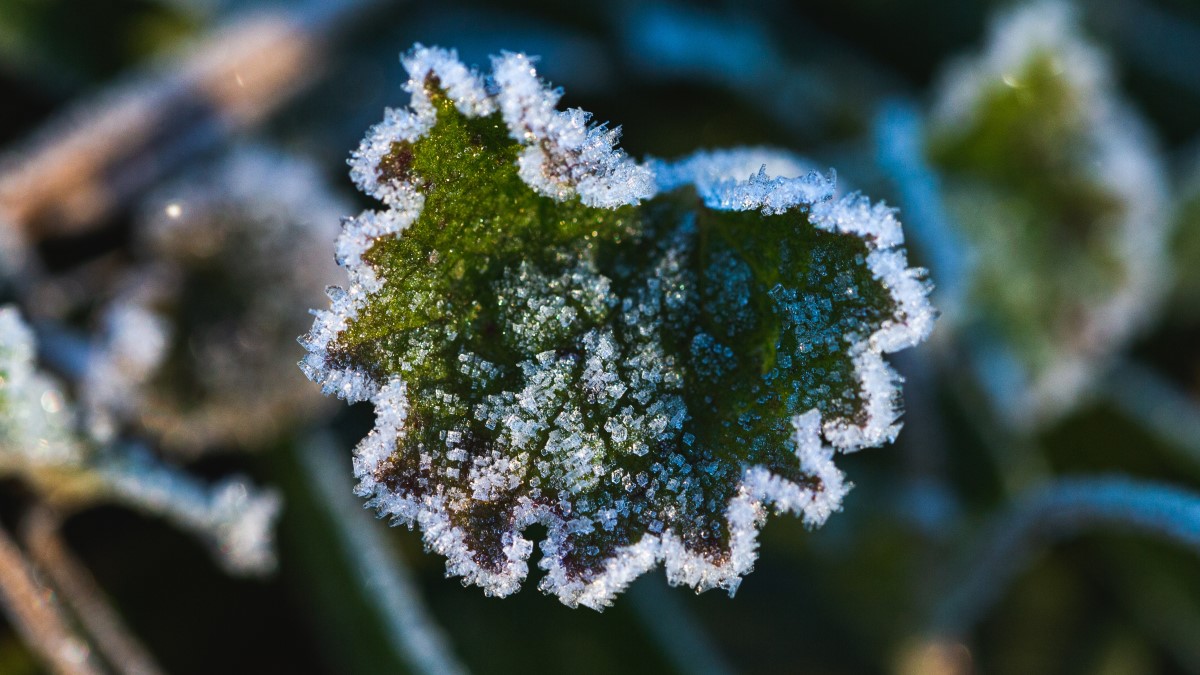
(643, 359)
(1056, 184)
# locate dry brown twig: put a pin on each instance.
(78, 589)
(37, 617)
(80, 166)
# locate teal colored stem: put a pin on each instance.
(900, 141)
(674, 630)
(386, 579)
(1059, 510)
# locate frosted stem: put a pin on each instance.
(1062, 509)
(36, 616)
(674, 630)
(386, 579)
(78, 588)
(236, 518)
(1157, 405)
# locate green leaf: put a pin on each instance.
(186, 353)
(641, 358)
(1054, 183)
(39, 443)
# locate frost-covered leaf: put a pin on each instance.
(36, 424)
(194, 347)
(1056, 185)
(40, 444)
(641, 358)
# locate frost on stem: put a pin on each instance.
(1055, 183)
(187, 351)
(39, 443)
(641, 358)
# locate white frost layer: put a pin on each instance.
(745, 515)
(1123, 159)
(911, 323)
(708, 168)
(566, 157)
(1029, 30)
(766, 194)
(36, 420)
(134, 341)
(235, 517)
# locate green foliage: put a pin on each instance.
(614, 373)
(1026, 191)
(1057, 190)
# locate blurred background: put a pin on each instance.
(176, 497)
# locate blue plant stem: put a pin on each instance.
(680, 638)
(734, 50)
(900, 142)
(1058, 510)
(387, 581)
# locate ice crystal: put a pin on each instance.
(1053, 180)
(642, 358)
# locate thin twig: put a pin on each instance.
(75, 584)
(1056, 511)
(37, 617)
(91, 159)
(387, 582)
